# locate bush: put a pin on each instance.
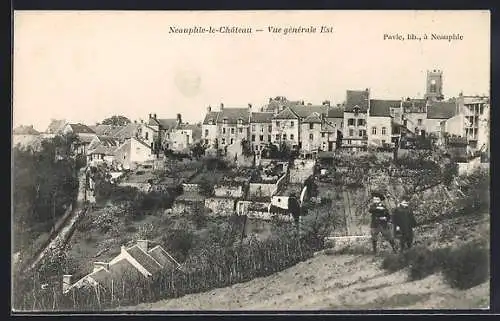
(467, 266)
(394, 262)
(424, 262)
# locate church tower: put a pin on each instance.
(434, 88)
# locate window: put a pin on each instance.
(223, 141)
(253, 138)
(261, 129)
(240, 121)
(350, 122)
(405, 122)
(284, 136)
(206, 132)
(277, 124)
(277, 136)
(360, 133)
(206, 141)
(341, 124)
(374, 130)
(253, 128)
(291, 136)
(261, 138)
(210, 121)
(232, 130)
(311, 126)
(240, 130)
(383, 141)
(147, 135)
(419, 122)
(224, 130)
(232, 140)
(323, 135)
(269, 138)
(270, 128)
(311, 136)
(351, 132)
(384, 131)
(292, 123)
(225, 121)
(361, 122)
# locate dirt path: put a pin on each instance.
(331, 283)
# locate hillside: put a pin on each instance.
(346, 281)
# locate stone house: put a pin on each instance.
(437, 113)
(317, 133)
(139, 260)
(84, 134)
(102, 149)
(286, 128)
(414, 115)
(379, 121)
(181, 136)
(260, 129)
(26, 137)
(355, 118)
(226, 127)
(133, 152)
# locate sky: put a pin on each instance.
(87, 66)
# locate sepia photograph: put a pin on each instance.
(334, 160)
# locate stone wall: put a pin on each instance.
(301, 170)
(229, 191)
(181, 207)
(220, 206)
(258, 190)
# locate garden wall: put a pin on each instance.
(220, 206)
(259, 190)
(181, 207)
(195, 188)
(229, 191)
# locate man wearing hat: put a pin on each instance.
(380, 221)
(404, 222)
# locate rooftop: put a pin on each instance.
(441, 110)
(382, 108)
(357, 98)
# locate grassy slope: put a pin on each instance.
(348, 281)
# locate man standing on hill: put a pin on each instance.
(294, 209)
(404, 222)
(380, 221)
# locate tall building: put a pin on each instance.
(434, 85)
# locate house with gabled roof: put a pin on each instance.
(356, 109)
(379, 121)
(26, 138)
(437, 114)
(286, 128)
(102, 149)
(138, 261)
(318, 134)
(414, 114)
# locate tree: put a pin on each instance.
(197, 150)
(116, 120)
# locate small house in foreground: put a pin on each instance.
(137, 260)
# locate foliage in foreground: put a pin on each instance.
(463, 267)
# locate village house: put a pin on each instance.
(437, 114)
(84, 135)
(471, 120)
(414, 115)
(133, 152)
(355, 118)
(102, 149)
(286, 127)
(139, 260)
(260, 129)
(181, 136)
(379, 121)
(318, 134)
(335, 116)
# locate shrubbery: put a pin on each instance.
(462, 268)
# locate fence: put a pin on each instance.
(226, 266)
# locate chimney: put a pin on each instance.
(154, 116)
(66, 282)
(209, 109)
(179, 119)
(261, 109)
(270, 99)
(143, 244)
(221, 106)
(150, 116)
(142, 121)
(249, 106)
(98, 265)
(135, 121)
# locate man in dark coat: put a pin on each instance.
(380, 221)
(404, 222)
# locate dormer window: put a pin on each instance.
(210, 121)
(225, 120)
(356, 110)
(240, 121)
